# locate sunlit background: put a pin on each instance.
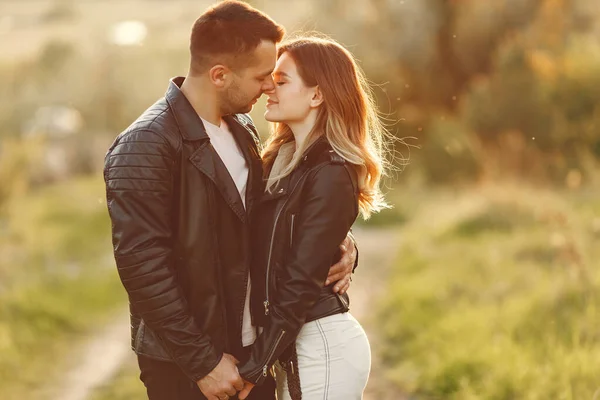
(482, 281)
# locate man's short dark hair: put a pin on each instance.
(228, 32)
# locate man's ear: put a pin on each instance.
(317, 98)
(219, 75)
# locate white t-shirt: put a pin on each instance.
(226, 147)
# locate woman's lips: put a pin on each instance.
(271, 102)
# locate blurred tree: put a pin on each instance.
(14, 165)
(508, 70)
(517, 79)
(60, 10)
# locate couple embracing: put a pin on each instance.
(237, 256)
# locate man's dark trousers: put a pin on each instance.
(165, 381)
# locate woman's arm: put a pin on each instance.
(329, 210)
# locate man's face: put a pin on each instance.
(249, 83)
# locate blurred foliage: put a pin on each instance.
(56, 279)
(451, 154)
(125, 386)
(491, 89)
(497, 299)
(60, 10)
(13, 171)
(493, 298)
(517, 79)
(40, 323)
(495, 218)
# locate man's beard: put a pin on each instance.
(235, 103)
(243, 109)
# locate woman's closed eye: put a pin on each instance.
(280, 83)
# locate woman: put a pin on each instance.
(323, 166)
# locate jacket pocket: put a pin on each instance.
(147, 344)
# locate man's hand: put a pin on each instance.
(223, 381)
(342, 271)
(246, 391)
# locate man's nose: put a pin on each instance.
(268, 85)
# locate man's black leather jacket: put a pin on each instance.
(181, 233)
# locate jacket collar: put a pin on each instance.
(206, 159)
(189, 122)
(317, 152)
(284, 156)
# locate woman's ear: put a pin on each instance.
(317, 98)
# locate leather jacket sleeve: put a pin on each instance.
(328, 211)
(138, 173)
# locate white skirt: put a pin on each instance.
(334, 360)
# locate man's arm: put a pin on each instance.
(342, 271)
(354, 250)
(139, 186)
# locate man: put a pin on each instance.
(181, 183)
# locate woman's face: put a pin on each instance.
(291, 100)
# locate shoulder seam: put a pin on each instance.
(150, 127)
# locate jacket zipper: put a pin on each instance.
(292, 230)
(279, 338)
(265, 367)
(266, 303)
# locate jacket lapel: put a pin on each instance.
(206, 159)
(248, 142)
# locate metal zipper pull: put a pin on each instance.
(266, 304)
(292, 230)
(265, 368)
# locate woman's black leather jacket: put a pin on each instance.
(297, 228)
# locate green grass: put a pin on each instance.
(125, 386)
(39, 326)
(57, 280)
(387, 217)
(496, 300)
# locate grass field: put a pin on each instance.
(57, 280)
(495, 296)
(126, 385)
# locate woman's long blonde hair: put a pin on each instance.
(347, 117)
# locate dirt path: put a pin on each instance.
(97, 361)
(378, 250)
(94, 362)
